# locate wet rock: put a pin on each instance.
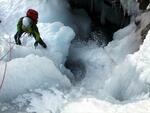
(143, 4)
(145, 31)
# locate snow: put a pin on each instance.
(49, 101)
(142, 58)
(16, 83)
(92, 105)
(116, 76)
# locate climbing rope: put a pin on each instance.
(5, 69)
(4, 75)
(9, 51)
(112, 60)
(10, 54)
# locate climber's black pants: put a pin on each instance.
(17, 37)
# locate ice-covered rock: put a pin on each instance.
(31, 72)
(30, 68)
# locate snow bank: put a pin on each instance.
(142, 60)
(41, 101)
(28, 73)
(126, 78)
(92, 105)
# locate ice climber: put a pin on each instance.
(27, 24)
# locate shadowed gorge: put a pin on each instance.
(107, 15)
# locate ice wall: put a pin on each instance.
(111, 70)
(30, 68)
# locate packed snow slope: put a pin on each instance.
(116, 78)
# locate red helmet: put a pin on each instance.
(33, 14)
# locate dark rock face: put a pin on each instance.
(145, 31)
(77, 68)
(99, 37)
(143, 4)
(106, 14)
